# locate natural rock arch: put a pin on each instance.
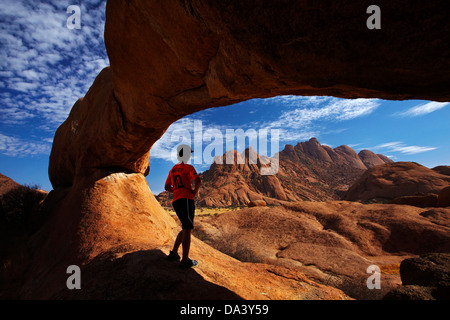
(172, 58)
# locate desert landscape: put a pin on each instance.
(382, 219)
(307, 249)
(319, 229)
(308, 171)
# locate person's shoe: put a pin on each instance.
(189, 263)
(173, 256)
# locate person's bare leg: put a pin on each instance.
(177, 243)
(186, 243)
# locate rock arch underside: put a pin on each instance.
(171, 58)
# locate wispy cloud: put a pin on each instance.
(398, 146)
(304, 117)
(193, 131)
(17, 147)
(44, 66)
(299, 120)
(422, 109)
(209, 139)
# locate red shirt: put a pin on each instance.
(179, 178)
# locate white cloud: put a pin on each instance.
(423, 109)
(298, 134)
(183, 131)
(203, 137)
(31, 75)
(46, 66)
(163, 148)
(16, 147)
(296, 101)
(298, 122)
(398, 146)
(23, 86)
(334, 110)
(303, 116)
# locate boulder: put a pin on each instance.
(392, 180)
(257, 203)
(444, 198)
(430, 200)
(430, 270)
(426, 277)
(410, 292)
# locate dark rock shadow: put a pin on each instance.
(140, 275)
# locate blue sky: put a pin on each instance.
(45, 67)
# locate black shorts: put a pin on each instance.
(185, 210)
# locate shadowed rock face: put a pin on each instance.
(172, 58)
(424, 278)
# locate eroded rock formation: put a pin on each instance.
(172, 58)
(331, 242)
(399, 179)
(308, 171)
(424, 278)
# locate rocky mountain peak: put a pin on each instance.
(308, 171)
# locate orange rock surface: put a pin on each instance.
(172, 58)
(331, 242)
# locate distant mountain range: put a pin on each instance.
(307, 171)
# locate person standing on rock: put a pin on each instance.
(179, 183)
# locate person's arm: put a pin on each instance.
(168, 185)
(198, 183)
